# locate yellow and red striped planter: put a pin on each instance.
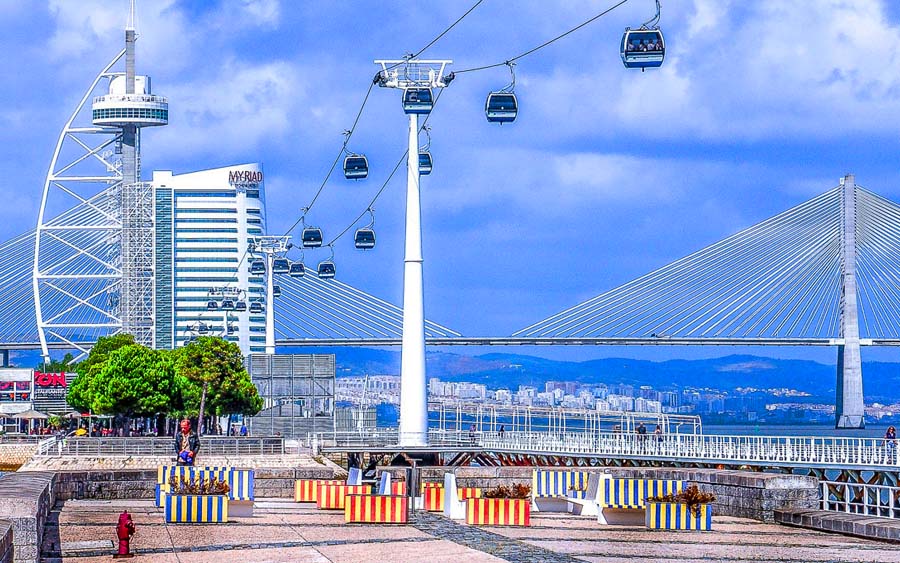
(305, 489)
(423, 485)
(434, 497)
(331, 497)
(498, 512)
(380, 509)
(674, 516)
(398, 488)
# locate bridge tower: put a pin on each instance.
(849, 407)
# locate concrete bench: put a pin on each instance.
(623, 501)
(552, 489)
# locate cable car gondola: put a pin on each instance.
(364, 238)
(240, 306)
(418, 100)
(228, 304)
(297, 269)
(212, 305)
(311, 237)
(276, 291)
(425, 163)
(643, 48)
(256, 307)
(356, 166)
(202, 328)
(326, 269)
(501, 107)
(257, 267)
(281, 266)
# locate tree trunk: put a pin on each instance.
(202, 406)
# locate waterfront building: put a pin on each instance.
(205, 221)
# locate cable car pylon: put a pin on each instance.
(413, 75)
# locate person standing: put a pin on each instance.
(187, 444)
(642, 432)
(890, 443)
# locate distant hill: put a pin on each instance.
(881, 380)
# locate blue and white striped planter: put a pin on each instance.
(675, 516)
(196, 509)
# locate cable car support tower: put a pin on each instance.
(417, 78)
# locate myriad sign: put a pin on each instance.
(243, 179)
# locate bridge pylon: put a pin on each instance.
(849, 407)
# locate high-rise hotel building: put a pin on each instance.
(204, 222)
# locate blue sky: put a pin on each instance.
(606, 175)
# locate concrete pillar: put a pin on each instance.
(849, 407)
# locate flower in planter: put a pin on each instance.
(691, 496)
(518, 491)
(198, 486)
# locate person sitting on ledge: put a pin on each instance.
(187, 444)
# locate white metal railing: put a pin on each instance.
(861, 498)
(84, 446)
(146, 98)
(784, 450)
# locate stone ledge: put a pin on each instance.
(25, 501)
(860, 525)
(6, 542)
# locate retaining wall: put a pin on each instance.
(6, 542)
(14, 455)
(25, 501)
(744, 494)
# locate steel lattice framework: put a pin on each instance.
(778, 280)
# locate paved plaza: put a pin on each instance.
(283, 531)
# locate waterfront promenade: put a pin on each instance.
(82, 531)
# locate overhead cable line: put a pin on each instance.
(352, 129)
(542, 45)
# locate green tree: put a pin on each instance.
(135, 381)
(79, 396)
(215, 367)
(58, 366)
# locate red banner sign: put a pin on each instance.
(49, 379)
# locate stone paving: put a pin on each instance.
(282, 531)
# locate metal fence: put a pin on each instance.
(209, 446)
(861, 498)
(800, 451)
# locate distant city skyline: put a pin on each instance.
(606, 175)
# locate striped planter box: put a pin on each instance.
(305, 489)
(160, 496)
(196, 509)
(398, 488)
(434, 497)
(555, 484)
(430, 485)
(498, 512)
(241, 483)
(674, 516)
(331, 497)
(381, 509)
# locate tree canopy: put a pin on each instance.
(79, 395)
(135, 381)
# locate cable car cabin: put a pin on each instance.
(311, 237)
(281, 266)
(297, 269)
(276, 291)
(326, 269)
(257, 267)
(425, 163)
(212, 305)
(418, 100)
(256, 307)
(501, 107)
(364, 238)
(240, 306)
(228, 305)
(202, 328)
(643, 48)
(356, 166)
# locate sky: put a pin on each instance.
(607, 173)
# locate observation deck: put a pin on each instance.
(141, 110)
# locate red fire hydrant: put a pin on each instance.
(124, 530)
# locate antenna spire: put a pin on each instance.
(130, 25)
